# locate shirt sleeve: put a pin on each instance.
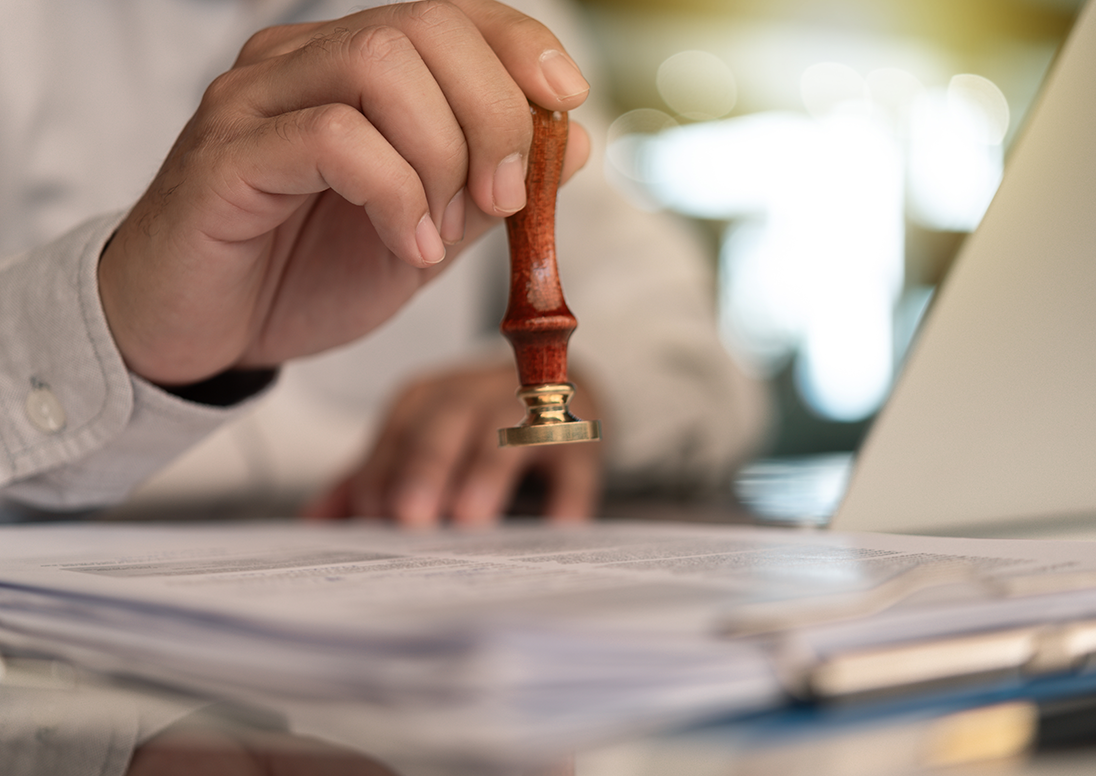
(56, 732)
(77, 429)
(58, 719)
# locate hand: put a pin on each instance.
(438, 456)
(182, 750)
(318, 183)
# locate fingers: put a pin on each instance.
(330, 146)
(443, 454)
(538, 62)
(574, 483)
(330, 154)
(415, 118)
(428, 460)
(379, 70)
(445, 84)
(531, 53)
(576, 155)
(333, 504)
(409, 472)
(438, 458)
(490, 474)
(196, 745)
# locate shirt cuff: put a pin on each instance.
(77, 429)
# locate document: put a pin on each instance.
(530, 638)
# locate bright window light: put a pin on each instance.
(697, 85)
(812, 260)
(831, 86)
(813, 263)
(953, 171)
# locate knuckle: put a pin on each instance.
(453, 154)
(504, 15)
(223, 89)
(379, 44)
(272, 42)
(434, 13)
(287, 126)
(259, 45)
(334, 120)
(525, 27)
(328, 126)
(216, 123)
(506, 112)
(449, 404)
(325, 42)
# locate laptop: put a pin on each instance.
(991, 427)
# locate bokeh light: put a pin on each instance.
(953, 172)
(812, 261)
(980, 108)
(626, 163)
(893, 92)
(830, 86)
(697, 85)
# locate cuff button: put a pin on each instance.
(43, 409)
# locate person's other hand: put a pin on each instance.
(184, 750)
(318, 183)
(437, 457)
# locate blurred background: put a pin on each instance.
(836, 153)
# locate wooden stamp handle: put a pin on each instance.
(537, 322)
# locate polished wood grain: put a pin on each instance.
(538, 323)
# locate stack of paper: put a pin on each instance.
(531, 639)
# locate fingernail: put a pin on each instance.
(452, 220)
(509, 191)
(562, 75)
(431, 248)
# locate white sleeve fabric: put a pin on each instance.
(58, 719)
(65, 733)
(77, 429)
